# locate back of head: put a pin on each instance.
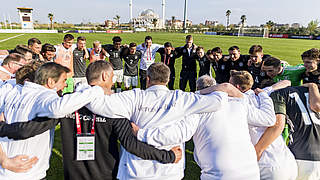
(95, 69)
(205, 81)
(241, 78)
(49, 70)
(27, 72)
(33, 41)
(68, 37)
(12, 57)
(312, 54)
(255, 49)
(272, 61)
(22, 49)
(158, 73)
(116, 39)
(47, 47)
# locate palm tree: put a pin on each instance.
(270, 24)
(243, 20)
(50, 16)
(173, 20)
(117, 18)
(312, 26)
(154, 22)
(228, 18)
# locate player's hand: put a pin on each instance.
(4, 76)
(308, 85)
(258, 153)
(135, 128)
(178, 153)
(258, 91)
(19, 163)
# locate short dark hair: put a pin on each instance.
(255, 49)
(189, 37)
(148, 38)
(68, 37)
(95, 69)
(313, 53)
(167, 44)
(81, 38)
(27, 72)
(48, 47)
(22, 49)
(216, 50)
(33, 41)
(49, 70)
(116, 39)
(132, 45)
(232, 48)
(12, 57)
(158, 72)
(272, 61)
(199, 48)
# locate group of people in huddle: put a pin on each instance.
(257, 119)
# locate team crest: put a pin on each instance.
(262, 74)
(240, 64)
(223, 67)
(184, 51)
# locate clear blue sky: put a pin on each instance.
(257, 12)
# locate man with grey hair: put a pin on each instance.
(10, 65)
(205, 81)
(223, 149)
(156, 106)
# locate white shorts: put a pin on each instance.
(130, 80)
(117, 76)
(308, 170)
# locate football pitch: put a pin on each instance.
(285, 49)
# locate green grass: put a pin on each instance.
(285, 49)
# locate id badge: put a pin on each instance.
(85, 147)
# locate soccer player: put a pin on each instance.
(255, 63)
(25, 51)
(64, 56)
(204, 62)
(106, 132)
(48, 51)
(273, 68)
(168, 57)
(131, 58)
(80, 56)
(97, 53)
(189, 64)
(220, 65)
(114, 50)
(35, 45)
(276, 161)
(237, 61)
(311, 60)
(148, 50)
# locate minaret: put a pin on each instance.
(163, 13)
(130, 11)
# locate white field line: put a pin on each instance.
(11, 37)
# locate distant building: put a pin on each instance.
(176, 23)
(110, 24)
(286, 26)
(147, 19)
(26, 18)
(295, 25)
(211, 23)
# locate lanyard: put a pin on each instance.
(165, 57)
(78, 124)
(149, 54)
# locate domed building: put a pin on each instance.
(147, 19)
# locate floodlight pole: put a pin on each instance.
(185, 18)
